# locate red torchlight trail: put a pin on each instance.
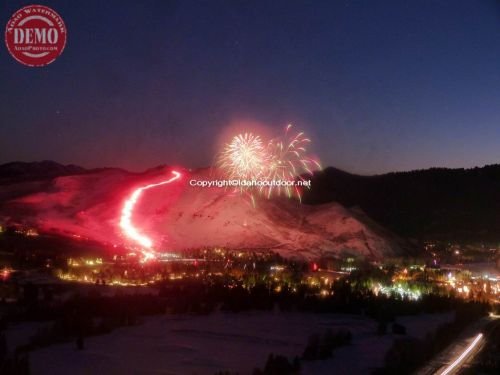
(128, 228)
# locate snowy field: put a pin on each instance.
(233, 342)
(89, 206)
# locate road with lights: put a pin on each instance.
(458, 356)
(464, 357)
(462, 353)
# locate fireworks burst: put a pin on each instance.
(288, 161)
(283, 159)
(244, 157)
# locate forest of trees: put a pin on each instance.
(437, 203)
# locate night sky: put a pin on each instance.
(378, 85)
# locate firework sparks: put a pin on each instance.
(244, 157)
(128, 228)
(284, 159)
(288, 161)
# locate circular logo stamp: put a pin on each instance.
(35, 35)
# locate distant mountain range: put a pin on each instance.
(19, 171)
(437, 203)
(71, 201)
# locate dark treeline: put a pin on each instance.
(438, 203)
(279, 365)
(95, 313)
(322, 346)
(319, 347)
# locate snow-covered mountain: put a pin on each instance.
(178, 216)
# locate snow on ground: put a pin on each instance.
(186, 217)
(368, 349)
(223, 341)
(17, 335)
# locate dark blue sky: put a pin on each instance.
(378, 85)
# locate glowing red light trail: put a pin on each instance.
(128, 228)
